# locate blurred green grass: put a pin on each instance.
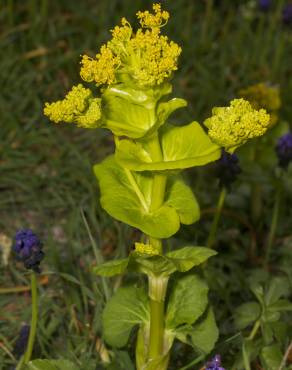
(46, 171)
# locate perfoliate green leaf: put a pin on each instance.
(112, 268)
(180, 260)
(135, 113)
(246, 314)
(127, 308)
(159, 363)
(205, 334)
(165, 109)
(126, 196)
(186, 258)
(51, 365)
(142, 349)
(157, 265)
(182, 147)
(271, 357)
(187, 301)
(180, 196)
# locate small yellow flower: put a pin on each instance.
(78, 107)
(262, 95)
(146, 249)
(232, 126)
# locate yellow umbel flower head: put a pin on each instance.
(232, 126)
(146, 249)
(263, 95)
(78, 107)
(146, 57)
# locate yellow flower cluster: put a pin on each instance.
(149, 20)
(102, 69)
(78, 107)
(146, 249)
(145, 56)
(232, 126)
(264, 96)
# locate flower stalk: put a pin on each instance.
(273, 228)
(34, 318)
(215, 223)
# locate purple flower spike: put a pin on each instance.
(227, 168)
(284, 150)
(287, 14)
(264, 5)
(215, 364)
(28, 249)
(21, 342)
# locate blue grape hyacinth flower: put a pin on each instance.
(21, 342)
(284, 150)
(215, 364)
(28, 249)
(227, 168)
(264, 5)
(287, 14)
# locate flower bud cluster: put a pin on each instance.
(28, 249)
(230, 127)
(78, 107)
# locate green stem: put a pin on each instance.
(34, 318)
(214, 227)
(20, 364)
(254, 330)
(157, 292)
(157, 284)
(273, 227)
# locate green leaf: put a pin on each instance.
(157, 265)
(142, 349)
(127, 308)
(112, 268)
(271, 357)
(187, 301)
(186, 258)
(166, 108)
(281, 305)
(205, 334)
(278, 287)
(127, 196)
(134, 113)
(159, 363)
(51, 365)
(182, 147)
(246, 314)
(180, 197)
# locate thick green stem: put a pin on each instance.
(34, 318)
(273, 227)
(214, 227)
(157, 292)
(159, 184)
(157, 284)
